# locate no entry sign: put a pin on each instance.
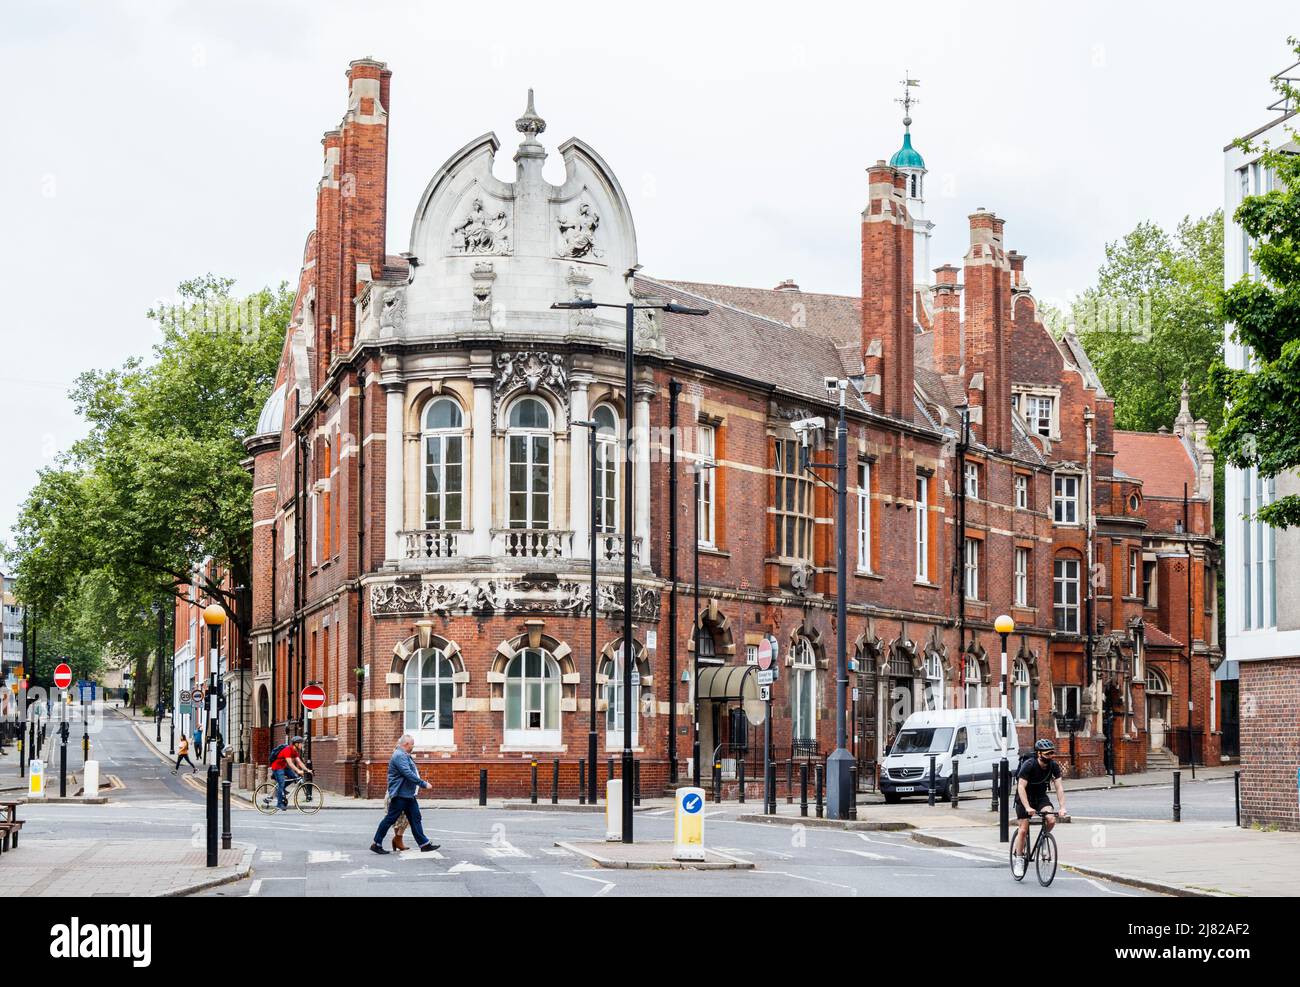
(765, 654)
(62, 675)
(313, 697)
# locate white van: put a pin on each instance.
(970, 738)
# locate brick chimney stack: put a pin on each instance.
(887, 329)
(947, 320)
(988, 321)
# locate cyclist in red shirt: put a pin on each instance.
(285, 767)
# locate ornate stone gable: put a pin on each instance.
(482, 230)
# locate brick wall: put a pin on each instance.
(1270, 742)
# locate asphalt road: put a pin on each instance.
(498, 852)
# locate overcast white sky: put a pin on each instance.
(146, 143)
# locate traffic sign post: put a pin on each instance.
(62, 675)
(688, 825)
(768, 651)
(312, 698)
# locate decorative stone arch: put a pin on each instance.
(717, 625)
(533, 637)
(605, 668)
(868, 648)
(801, 633)
(976, 651)
(263, 709)
(936, 645)
(432, 390)
(1030, 658)
(903, 651)
(406, 649)
(512, 390)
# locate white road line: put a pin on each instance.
(961, 854)
(1098, 885)
(608, 885)
(271, 856)
(328, 857)
(254, 888)
(865, 853)
(814, 880)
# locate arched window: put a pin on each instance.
(528, 483)
(532, 691)
(444, 465)
(974, 683)
(1022, 703)
(429, 692)
(704, 649)
(933, 681)
(606, 467)
(803, 690)
(614, 702)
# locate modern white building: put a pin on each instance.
(1262, 563)
(11, 624)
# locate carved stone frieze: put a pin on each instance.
(482, 231)
(508, 596)
(531, 370)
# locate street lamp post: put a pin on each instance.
(629, 652)
(696, 627)
(592, 428)
(1004, 625)
(213, 617)
(840, 796)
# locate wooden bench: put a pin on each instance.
(10, 825)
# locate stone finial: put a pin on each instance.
(530, 124)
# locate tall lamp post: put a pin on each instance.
(1004, 625)
(592, 427)
(629, 652)
(213, 617)
(698, 469)
(840, 796)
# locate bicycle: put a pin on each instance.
(1042, 852)
(307, 796)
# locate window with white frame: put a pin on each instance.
(923, 528)
(864, 517)
(751, 654)
(289, 528)
(1134, 571)
(528, 481)
(974, 694)
(706, 452)
(1065, 498)
(1258, 553)
(429, 692)
(1022, 560)
(444, 465)
(794, 504)
(1022, 703)
(1065, 595)
(933, 681)
(971, 568)
(972, 480)
(1065, 700)
(606, 467)
(1039, 409)
(803, 691)
(532, 690)
(1022, 492)
(705, 650)
(614, 703)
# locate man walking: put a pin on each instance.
(403, 782)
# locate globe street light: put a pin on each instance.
(213, 616)
(1004, 625)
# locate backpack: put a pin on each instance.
(276, 751)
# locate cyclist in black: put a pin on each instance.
(1032, 779)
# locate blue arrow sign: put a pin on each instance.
(692, 803)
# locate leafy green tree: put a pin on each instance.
(156, 487)
(1261, 429)
(1152, 320)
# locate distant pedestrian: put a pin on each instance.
(198, 741)
(183, 754)
(403, 782)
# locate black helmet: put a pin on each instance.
(296, 740)
(1045, 746)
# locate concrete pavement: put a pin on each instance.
(59, 868)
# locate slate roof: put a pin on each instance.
(1156, 638)
(1159, 460)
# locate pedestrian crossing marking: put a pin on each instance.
(271, 856)
(328, 857)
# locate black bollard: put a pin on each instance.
(1178, 796)
(63, 760)
(997, 787)
(770, 807)
(717, 782)
(932, 759)
(609, 770)
(225, 807)
(821, 778)
(482, 786)
(532, 783)
(789, 782)
(582, 781)
(740, 777)
(555, 782)
(956, 782)
(853, 791)
(1236, 794)
(803, 790)
(1003, 775)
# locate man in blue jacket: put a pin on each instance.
(403, 782)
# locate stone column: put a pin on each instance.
(641, 476)
(481, 464)
(394, 498)
(579, 466)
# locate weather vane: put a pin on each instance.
(908, 100)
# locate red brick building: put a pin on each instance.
(422, 504)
